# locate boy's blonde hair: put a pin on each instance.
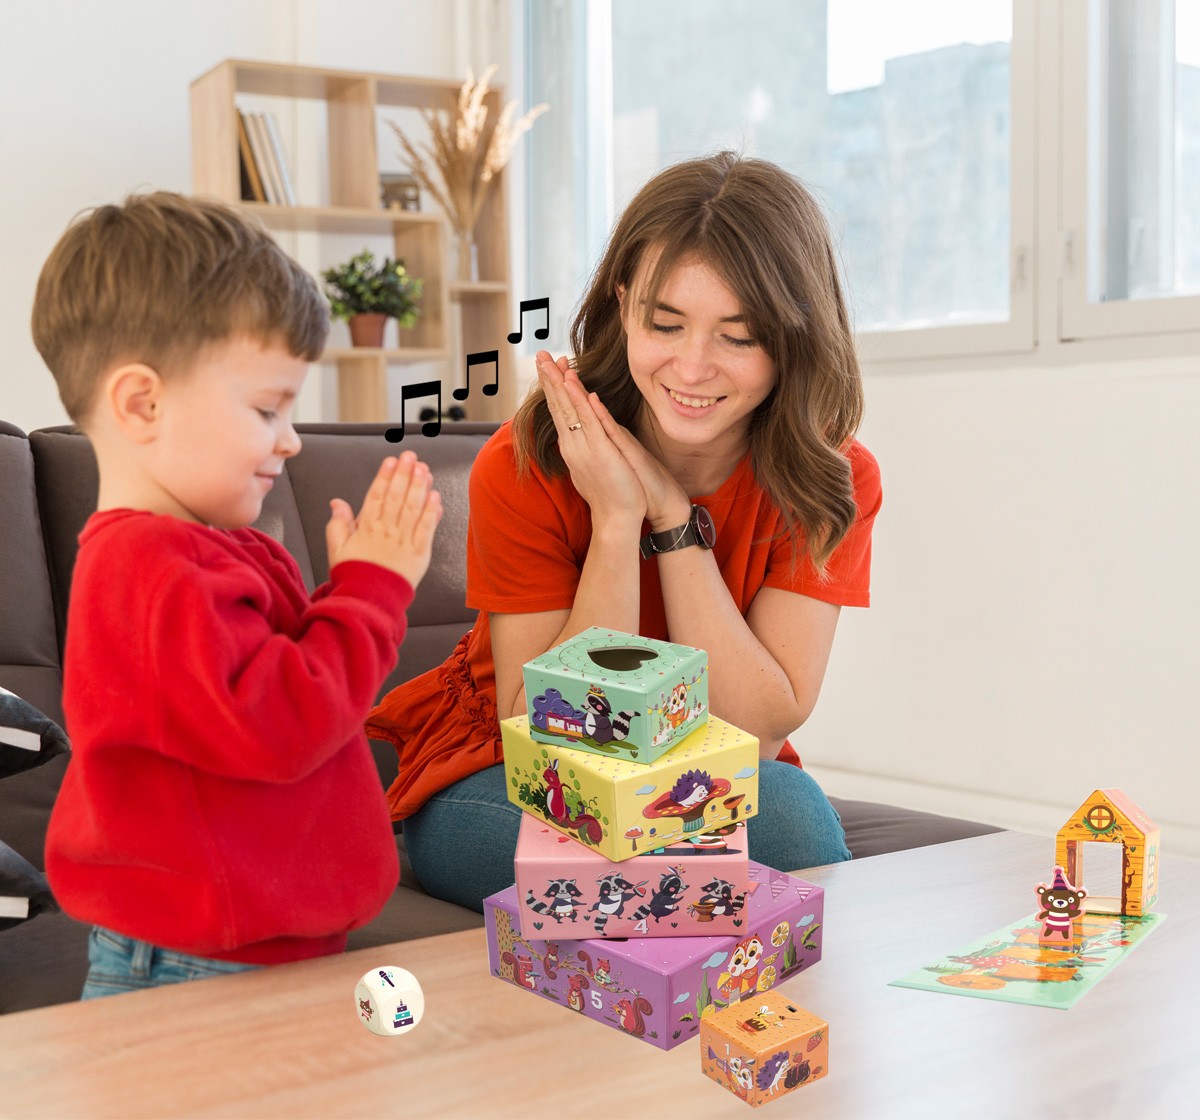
(155, 280)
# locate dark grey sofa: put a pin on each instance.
(48, 488)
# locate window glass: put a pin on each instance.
(1144, 169)
(896, 116)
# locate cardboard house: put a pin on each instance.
(1109, 816)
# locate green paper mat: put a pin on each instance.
(1010, 965)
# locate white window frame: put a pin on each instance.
(1082, 147)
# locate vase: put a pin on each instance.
(367, 329)
(467, 269)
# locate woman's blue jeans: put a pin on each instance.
(461, 843)
(123, 964)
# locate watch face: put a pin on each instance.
(705, 529)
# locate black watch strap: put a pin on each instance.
(697, 530)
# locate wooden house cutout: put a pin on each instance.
(1110, 816)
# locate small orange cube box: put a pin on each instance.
(763, 1047)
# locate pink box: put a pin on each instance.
(695, 888)
(657, 988)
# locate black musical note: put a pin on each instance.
(411, 392)
(542, 304)
(484, 357)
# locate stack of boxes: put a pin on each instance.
(636, 903)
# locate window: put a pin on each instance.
(1131, 166)
(899, 122)
(939, 136)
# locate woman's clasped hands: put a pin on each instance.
(617, 477)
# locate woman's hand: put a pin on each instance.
(667, 503)
(600, 472)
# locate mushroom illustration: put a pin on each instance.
(633, 834)
(731, 803)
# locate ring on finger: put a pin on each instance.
(575, 427)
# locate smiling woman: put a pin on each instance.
(691, 474)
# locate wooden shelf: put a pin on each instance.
(387, 354)
(338, 219)
(460, 289)
(482, 316)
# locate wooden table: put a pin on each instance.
(285, 1042)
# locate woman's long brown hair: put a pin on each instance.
(758, 228)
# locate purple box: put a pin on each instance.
(694, 888)
(657, 988)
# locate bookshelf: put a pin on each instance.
(457, 317)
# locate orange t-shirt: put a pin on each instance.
(526, 543)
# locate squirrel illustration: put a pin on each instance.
(523, 966)
(631, 1012)
(558, 810)
(578, 985)
(600, 974)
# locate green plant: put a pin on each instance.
(362, 287)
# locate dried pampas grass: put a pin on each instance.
(463, 152)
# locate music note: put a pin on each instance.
(542, 304)
(411, 392)
(484, 357)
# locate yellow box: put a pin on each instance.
(622, 808)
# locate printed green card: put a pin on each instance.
(1011, 964)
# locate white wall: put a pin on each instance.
(1034, 629)
(94, 104)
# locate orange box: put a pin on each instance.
(763, 1047)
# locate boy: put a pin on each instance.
(222, 809)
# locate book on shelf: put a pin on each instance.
(281, 167)
(261, 153)
(252, 186)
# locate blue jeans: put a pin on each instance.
(122, 964)
(461, 842)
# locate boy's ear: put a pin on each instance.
(132, 396)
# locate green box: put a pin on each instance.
(616, 694)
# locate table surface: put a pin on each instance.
(285, 1041)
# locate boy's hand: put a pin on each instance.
(395, 526)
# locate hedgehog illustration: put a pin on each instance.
(770, 1077)
(692, 787)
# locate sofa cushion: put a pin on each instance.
(27, 737)
(24, 892)
(29, 648)
(874, 829)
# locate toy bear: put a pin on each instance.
(1061, 904)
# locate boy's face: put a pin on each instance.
(226, 429)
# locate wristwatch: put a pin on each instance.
(698, 529)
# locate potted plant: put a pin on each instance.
(367, 294)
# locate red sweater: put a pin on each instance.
(222, 799)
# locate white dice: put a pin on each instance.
(389, 1000)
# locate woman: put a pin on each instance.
(714, 387)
